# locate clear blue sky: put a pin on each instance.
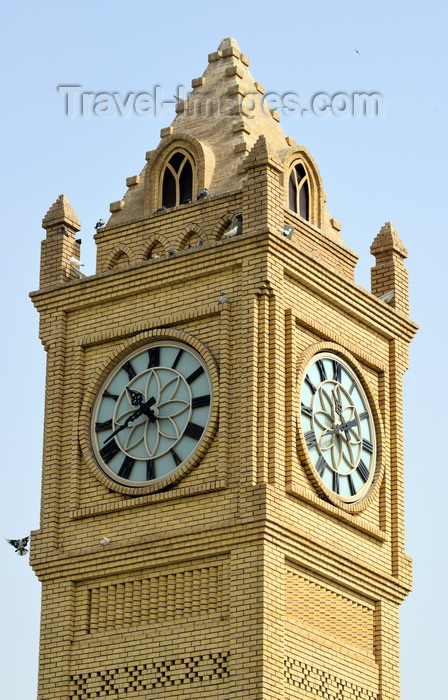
(374, 170)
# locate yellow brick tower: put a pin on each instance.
(222, 489)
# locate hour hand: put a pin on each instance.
(135, 397)
(132, 417)
(348, 425)
(148, 411)
(143, 409)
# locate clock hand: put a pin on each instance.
(143, 409)
(338, 408)
(135, 397)
(151, 414)
(342, 426)
(124, 425)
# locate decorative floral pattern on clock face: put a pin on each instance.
(151, 413)
(338, 427)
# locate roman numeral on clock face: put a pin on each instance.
(153, 357)
(194, 375)
(177, 358)
(306, 410)
(126, 467)
(175, 456)
(106, 425)
(335, 482)
(310, 384)
(367, 445)
(337, 371)
(108, 395)
(351, 485)
(193, 430)
(150, 469)
(320, 466)
(199, 401)
(109, 450)
(130, 371)
(321, 368)
(363, 471)
(310, 438)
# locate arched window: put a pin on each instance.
(120, 259)
(299, 191)
(177, 180)
(155, 251)
(193, 239)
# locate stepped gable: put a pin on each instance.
(221, 121)
(225, 81)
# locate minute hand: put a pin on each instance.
(343, 426)
(143, 409)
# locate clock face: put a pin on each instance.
(151, 412)
(337, 428)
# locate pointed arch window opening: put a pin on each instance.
(299, 192)
(155, 251)
(177, 180)
(120, 260)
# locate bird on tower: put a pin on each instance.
(75, 264)
(236, 227)
(20, 545)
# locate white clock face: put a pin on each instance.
(151, 413)
(337, 428)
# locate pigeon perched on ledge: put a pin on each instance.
(287, 230)
(236, 227)
(20, 546)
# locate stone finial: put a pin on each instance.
(60, 244)
(229, 47)
(389, 278)
(388, 239)
(61, 213)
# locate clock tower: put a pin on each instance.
(222, 487)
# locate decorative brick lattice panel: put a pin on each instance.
(316, 607)
(133, 680)
(151, 600)
(315, 681)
